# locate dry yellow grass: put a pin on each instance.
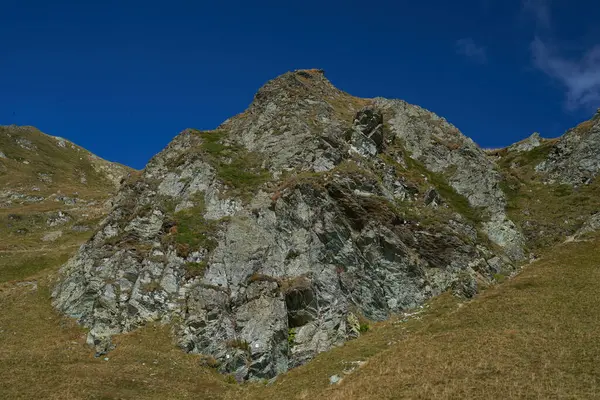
(535, 336)
(44, 356)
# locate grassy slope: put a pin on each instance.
(65, 164)
(547, 213)
(23, 224)
(534, 336)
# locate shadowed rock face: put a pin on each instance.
(265, 241)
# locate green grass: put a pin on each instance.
(457, 202)
(193, 231)
(19, 266)
(235, 166)
(194, 269)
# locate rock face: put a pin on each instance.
(270, 239)
(532, 142)
(575, 158)
(443, 149)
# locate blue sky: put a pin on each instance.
(121, 78)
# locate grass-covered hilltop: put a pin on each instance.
(317, 245)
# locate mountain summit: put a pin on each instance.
(282, 232)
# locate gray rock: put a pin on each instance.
(263, 274)
(52, 236)
(366, 136)
(575, 158)
(442, 149)
(58, 218)
(25, 143)
(592, 224)
(528, 144)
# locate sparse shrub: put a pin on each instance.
(363, 327)
(208, 361)
(256, 277)
(291, 336)
(499, 278)
(194, 269)
(239, 344)
(296, 283)
(190, 231)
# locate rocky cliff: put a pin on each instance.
(282, 232)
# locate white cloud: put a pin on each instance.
(580, 77)
(471, 50)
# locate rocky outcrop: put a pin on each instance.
(272, 238)
(532, 142)
(592, 224)
(443, 149)
(575, 159)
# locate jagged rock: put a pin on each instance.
(528, 144)
(366, 136)
(575, 158)
(261, 241)
(443, 149)
(69, 201)
(465, 286)
(432, 198)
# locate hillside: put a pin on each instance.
(53, 193)
(534, 336)
(317, 245)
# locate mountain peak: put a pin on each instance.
(296, 85)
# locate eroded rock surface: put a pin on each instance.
(266, 241)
